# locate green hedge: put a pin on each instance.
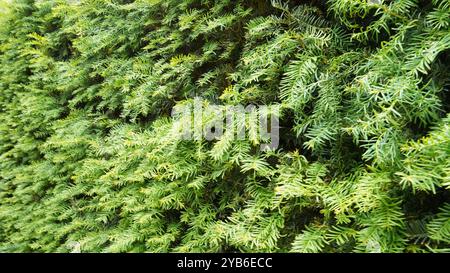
(88, 157)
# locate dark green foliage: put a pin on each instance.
(90, 157)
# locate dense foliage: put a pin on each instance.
(89, 156)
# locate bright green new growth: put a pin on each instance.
(88, 152)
